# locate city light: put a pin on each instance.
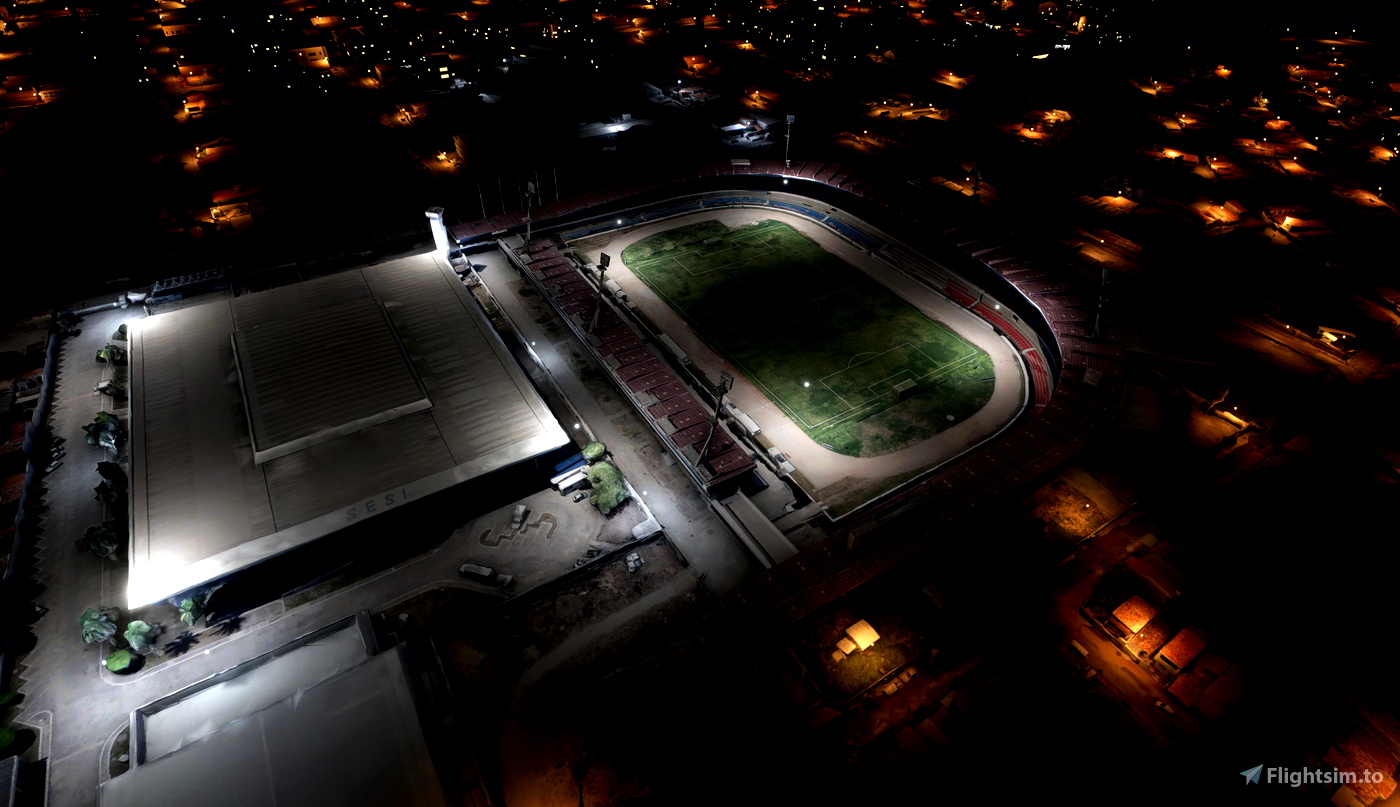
(973, 528)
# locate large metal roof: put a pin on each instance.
(292, 365)
(205, 503)
(190, 715)
(352, 739)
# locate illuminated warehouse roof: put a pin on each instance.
(305, 750)
(263, 422)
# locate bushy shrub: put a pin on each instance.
(609, 490)
(113, 473)
(111, 353)
(105, 430)
(100, 541)
(191, 609)
(120, 661)
(99, 624)
(140, 635)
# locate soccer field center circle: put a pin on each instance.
(797, 307)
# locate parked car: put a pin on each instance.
(485, 574)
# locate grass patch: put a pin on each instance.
(856, 367)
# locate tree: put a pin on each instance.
(105, 430)
(99, 624)
(192, 608)
(113, 473)
(112, 390)
(111, 353)
(594, 451)
(100, 541)
(141, 635)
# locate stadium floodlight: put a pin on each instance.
(787, 149)
(603, 260)
(726, 381)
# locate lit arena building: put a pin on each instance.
(263, 422)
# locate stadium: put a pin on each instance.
(858, 377)
(967, 274)
(862, 358)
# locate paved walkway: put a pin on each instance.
(822, 466)
(60, 666)
(699, 534)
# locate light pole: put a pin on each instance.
(1098, 310)
(725, 382)
(603, 260)
(529, 193)
(787, 149)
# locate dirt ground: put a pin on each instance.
(1067, 513)
(535, 669)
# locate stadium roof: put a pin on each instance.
(352, 739)
(346, 396)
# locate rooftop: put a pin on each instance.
(291, 348)
(347, 395)
(1184, 646)
(280, 755)
(1135, 613)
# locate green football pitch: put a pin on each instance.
(859, 369)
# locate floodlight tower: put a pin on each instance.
(1098, 311)
(603, 260)
(529, 223)
(726, 381)
(787, 149)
